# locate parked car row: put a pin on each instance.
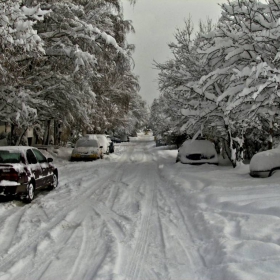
(262, 164)
(24, 169)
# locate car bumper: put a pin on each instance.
(13, 190)
(198, 162)
(260, 174)
(85, 157)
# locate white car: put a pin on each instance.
(87, 148)
(265, 163)
(104, 142)
(197, 152)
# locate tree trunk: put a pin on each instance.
(21, 135)
(232, 149)
(55, 132)
(47, 133)
(270, 138)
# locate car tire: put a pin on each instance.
(30, 193)
(54, 183)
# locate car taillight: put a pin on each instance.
(11, 175)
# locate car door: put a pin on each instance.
(35, 168)
(46, 169)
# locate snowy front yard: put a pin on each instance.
(139, 215)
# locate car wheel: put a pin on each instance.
(30, 193)
(54, 183)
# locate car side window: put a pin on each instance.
(40, 157)
(30, 157)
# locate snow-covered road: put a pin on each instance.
(138, 215)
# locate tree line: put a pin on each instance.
(223, 82)
(67, 63)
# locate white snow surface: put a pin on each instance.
(137, 214)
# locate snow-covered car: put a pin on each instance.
(24, 170)
(197, 152)
(264, 164)
(87, 148)
(104, 142)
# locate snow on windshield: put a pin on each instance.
(86, 143)
(198, 146)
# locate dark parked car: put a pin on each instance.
(111, 144)
(24, 170)
(116, 139)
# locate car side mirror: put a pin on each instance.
(101, 147)
(50, 159)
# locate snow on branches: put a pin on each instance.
(236, 91)
(61, 59)
(16, 26)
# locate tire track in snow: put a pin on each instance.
(134, 266)
(8, 227)
(16, 252)
(19, 249)
(183, 228)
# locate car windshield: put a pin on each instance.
(86, 143)
(10, 157)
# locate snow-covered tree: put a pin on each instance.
(178, 78)
(244, 53)
(73, 65)
(18, 39)
(235, 94)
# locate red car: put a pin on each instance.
(24, 170)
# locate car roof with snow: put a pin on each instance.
(265, 160)
(16, 148)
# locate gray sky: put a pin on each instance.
(155, 23)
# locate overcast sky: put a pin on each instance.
(155, 23)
